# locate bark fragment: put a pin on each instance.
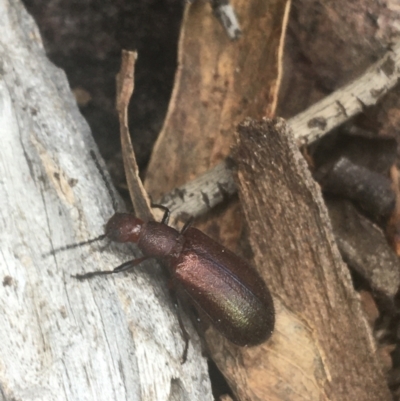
(294, 249)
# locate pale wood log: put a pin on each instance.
(114, 338)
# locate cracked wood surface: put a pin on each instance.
(114, 338)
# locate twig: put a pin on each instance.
(368, 189)
(348, 101)
(307, 126)
(200, 195)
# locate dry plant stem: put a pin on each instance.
(288, 221)
(125, 85)
(327, 114)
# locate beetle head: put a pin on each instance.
(123, 227)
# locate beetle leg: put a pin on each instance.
(167, 212)
(165, 218)
(185, 334)
(121, 268)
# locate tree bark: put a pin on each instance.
(322, 347)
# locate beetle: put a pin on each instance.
(222, 287)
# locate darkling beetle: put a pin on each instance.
(223, 288)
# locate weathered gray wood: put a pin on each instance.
(114, 338)
(200, 195)
(349, 100)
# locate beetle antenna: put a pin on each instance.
(187, 225)
(115, 207)
(72, 246)
(105, 179)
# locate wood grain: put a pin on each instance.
(218, 83)
(322, 348)
(104, 339)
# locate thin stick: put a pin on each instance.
(198, 196)
(348, 101)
